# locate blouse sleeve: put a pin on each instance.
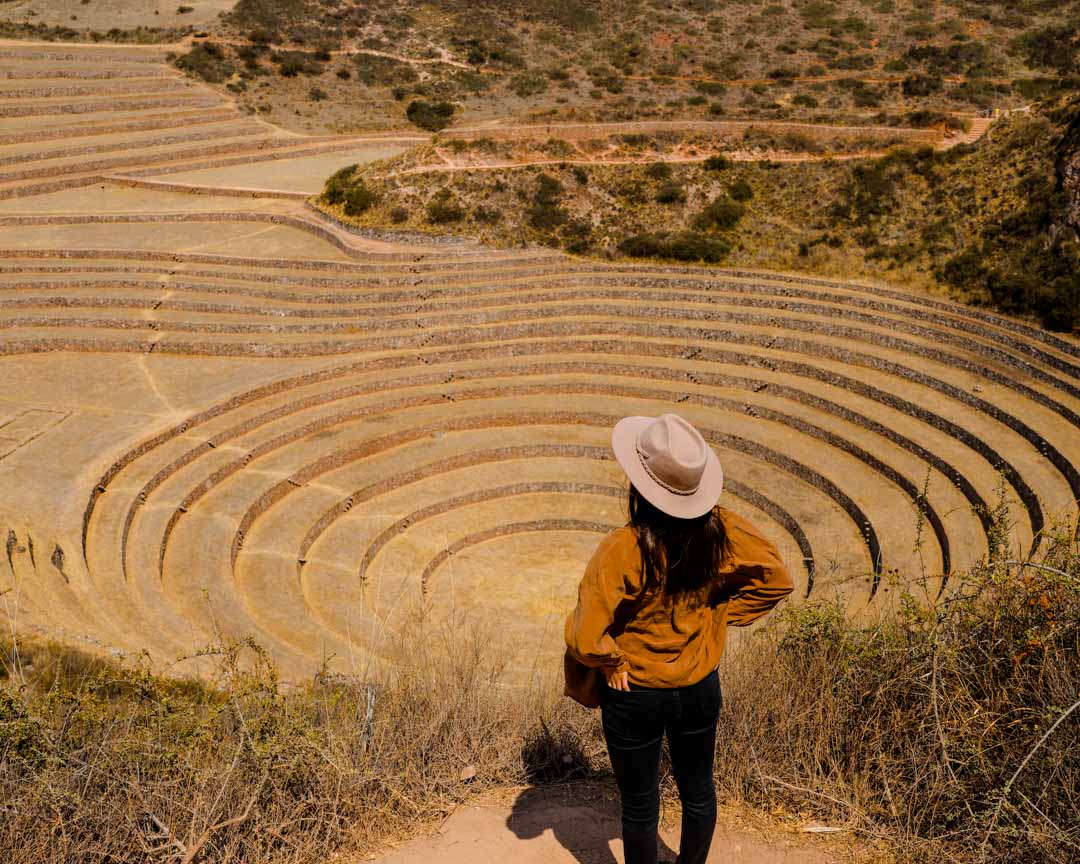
(610, 578)
(758, 577)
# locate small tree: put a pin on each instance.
(721, 213)
(444, 209)
(719, 162)
(337, 185)
(670, 192)
(921, 85)
(358, 199)
(740, 190)
(432, 116)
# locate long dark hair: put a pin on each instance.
(678, 556)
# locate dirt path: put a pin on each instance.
(570, 130)
(574, 132)
(444, 60)
(735, 157)
(558, 827)
(808, 79)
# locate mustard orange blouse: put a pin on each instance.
(666, 641)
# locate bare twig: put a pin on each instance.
(1016, 773)
(779, 782)
(1036, 566)
(163, 836)
(1060, 833)
(937, 717)
(226, 823)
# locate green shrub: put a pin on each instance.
(444, 209)
(658, 171)
(710, 88)
(1036, 89)
(358, 198)
(607, 79)
(250, 55)
(377, 71)
(717, 162)
(682, 246)
(854, 61)
(692, 246)
(398, 215)
(865, 96)
(486, 215)
(432, 116)
(293, 63)
(721, 213)
(740, 190)
(671, 192)
(925, 119)
(576, 236)
(261, 36)
(528, 84)
(207, 60)
(338, 184)
(955, 59)
(1052, 47)
(805, 100)
(267, 16)
(548, 190)
(919, 84)
(818, 14)
(545, 217)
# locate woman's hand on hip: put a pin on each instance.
(617, 680)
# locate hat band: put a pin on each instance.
(645, 464)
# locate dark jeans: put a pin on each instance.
(634, 726)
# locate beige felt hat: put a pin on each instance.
(669, 463)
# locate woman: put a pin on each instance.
(651, 615)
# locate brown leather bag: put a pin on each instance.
(583, 682)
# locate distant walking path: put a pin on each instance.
(580, 131)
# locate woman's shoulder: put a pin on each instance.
(617, 558)
(733, 520)
(620, 542)
(743, 537)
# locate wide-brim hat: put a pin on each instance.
(669, 463)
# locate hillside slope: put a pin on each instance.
(331, 65)
(994, 223)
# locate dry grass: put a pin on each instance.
(934, 729)
(935, 726)
(99, 760)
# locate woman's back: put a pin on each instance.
(666, 637)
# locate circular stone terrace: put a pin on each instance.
(220, 413)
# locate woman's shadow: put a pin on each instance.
(579, 806)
